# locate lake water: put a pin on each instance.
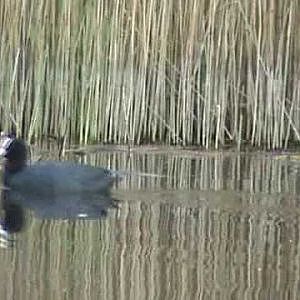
(188, 226)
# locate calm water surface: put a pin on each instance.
(215, 226)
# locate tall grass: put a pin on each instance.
(176, 72)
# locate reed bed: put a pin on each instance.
(200, 72)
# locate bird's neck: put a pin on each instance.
(14, 166)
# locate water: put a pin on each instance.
(211, 226)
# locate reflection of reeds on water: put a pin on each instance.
(156, 251)
(216, 226)
(193, 72)
(181, 236)
(253, 173)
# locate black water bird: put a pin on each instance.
(55, 189)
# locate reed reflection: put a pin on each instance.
(209, 228)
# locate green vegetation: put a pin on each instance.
(197, 72)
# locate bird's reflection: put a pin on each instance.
(14, 206)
